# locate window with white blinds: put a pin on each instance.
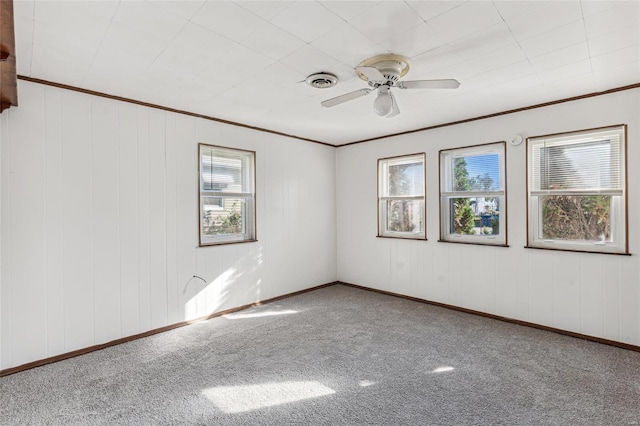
(473, 194)
(227, 195)
(577, 190)
(401, 186)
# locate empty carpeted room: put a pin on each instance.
(319, 212)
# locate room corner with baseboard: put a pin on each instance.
(311, 212)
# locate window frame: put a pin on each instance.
(382, 198)
(446, 196)
(249, 214)
(618, 212)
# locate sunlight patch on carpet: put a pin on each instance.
(240, 399)
(260, 314)
(442, 369)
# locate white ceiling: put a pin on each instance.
(243, 60)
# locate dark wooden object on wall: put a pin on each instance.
(8, 77)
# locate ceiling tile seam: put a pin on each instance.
(240, 43)
(425, 21)
(239, 4)
(159, 4)
(184, 25)
(217, 59)
(348, 22)
(586, 37)
(489, 71)
(560, 48)
(439, 14)
(95, 55)
(330, 11)
(380, 47)
(517, 42)
(418, 15)
(268, 22)
(557, 50)
(310, 43)
(476, 56)
(33, 36)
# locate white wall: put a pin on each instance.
(98, 213)
(99, 222)
(593, 294)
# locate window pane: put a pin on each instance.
(227, 203)
(223, 221)
(222, 171)
(406, 179)
(577, 218)
(474, 216)
(405, 215)
(576, 166)
(213, 203)
(477, 173)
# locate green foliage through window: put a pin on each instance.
(576, 217)
(225, 223)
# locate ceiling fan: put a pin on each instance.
(383, 72)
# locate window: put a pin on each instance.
(401, 212)
(577, 191)
(227, 196)
(472, 194)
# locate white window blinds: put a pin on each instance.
(225, 170)
(588, 162)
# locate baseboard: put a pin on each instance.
(501, 318)
(94, 348)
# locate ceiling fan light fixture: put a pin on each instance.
(383, 103)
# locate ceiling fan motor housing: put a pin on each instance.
(391, 66)
(390, 70)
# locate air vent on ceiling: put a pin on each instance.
(322, 80)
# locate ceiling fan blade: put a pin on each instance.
(429, 84)
(345, 97)
(372, 74)
(394, 106)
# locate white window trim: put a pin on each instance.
(446, 172)
(249, 215)
(618, 212)
(382, 199)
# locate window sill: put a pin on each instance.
(578, 251)
(402, 238)
(474, 243)
(223, 243)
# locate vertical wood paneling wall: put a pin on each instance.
(592, 294)
(99, 215)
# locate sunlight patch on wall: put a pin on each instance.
(259, 314)
(209, 298)
(240, 399)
